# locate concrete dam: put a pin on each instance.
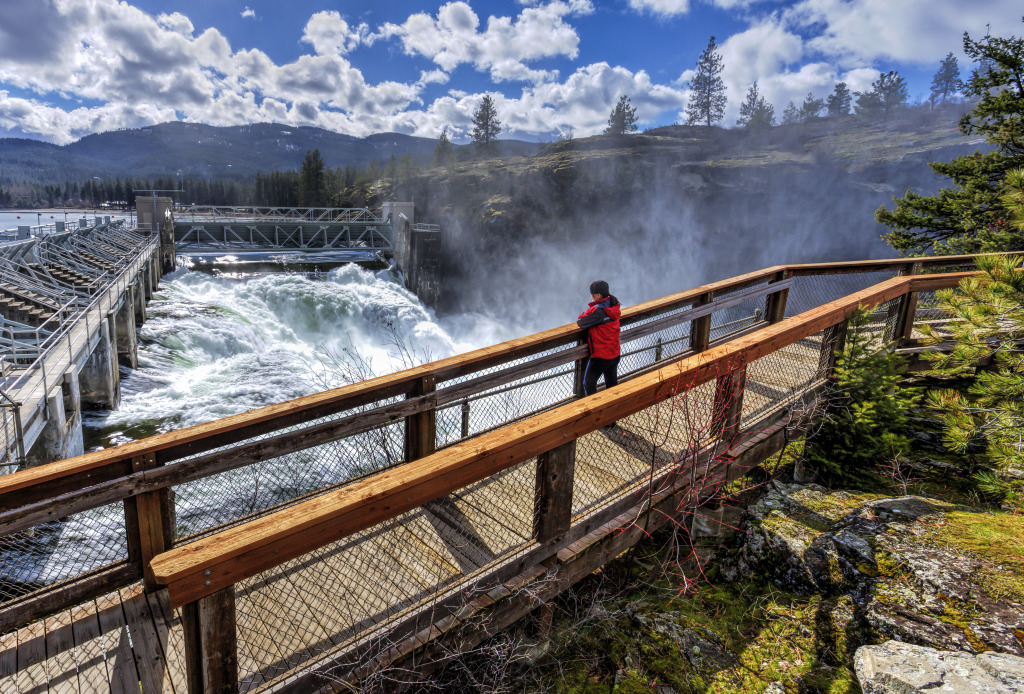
(72, 299)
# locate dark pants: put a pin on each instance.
(596, 368)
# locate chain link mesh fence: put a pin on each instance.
(610, 463)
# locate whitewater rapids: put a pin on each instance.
(214, 346)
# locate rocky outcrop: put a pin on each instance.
(880, 557)
(900, 668)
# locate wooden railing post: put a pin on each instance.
(149, 523)
(211, 643)
(904, 328)
(421, 427)
(552, 509)
(700, 328)
(775, 304)
(728, 407)
(833, 342)
(580, 368)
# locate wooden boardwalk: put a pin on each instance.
(378, 569)
(119, 643)
(348, 592)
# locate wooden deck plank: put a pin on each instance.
(32, 674)
(303, 618)
(61, 656)
(263, 646)
(92, 665)
(146, 646)
(172, 639)
(508, 498)
(320, 586)
(121, 670)
(9, 663)
(248, 633)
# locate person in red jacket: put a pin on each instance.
(601, 320)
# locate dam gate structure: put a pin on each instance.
(70, 301)
(390, 233)
(307, 545)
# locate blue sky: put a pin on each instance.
(69, 68)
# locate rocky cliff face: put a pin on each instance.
(654, 215)
(889, 567)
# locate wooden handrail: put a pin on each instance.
(215, 562)
(100, 466)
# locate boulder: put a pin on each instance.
(901, 668)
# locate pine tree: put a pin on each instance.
(707, 100)
(946, 82)
(443, 149)
(486, 127)
(839, 101)
(312, 192)
(990, 327)
(791, 115)
(866, 418)
(755, 111)
(811, 107)
(888, 94)
(971, 216)
(622, 119)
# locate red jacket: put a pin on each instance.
(602, 323)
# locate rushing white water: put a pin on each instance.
(215, 346)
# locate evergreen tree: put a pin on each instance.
(971, 216)
(486, 127)
(946, 82)
(888, 94)
(990, 327)
(443, 149)
(707, 100)
(312, 189)
(622, 119)
(791, 115)
(839, 101)
(755, 111)
(811, 107)
(865, 421)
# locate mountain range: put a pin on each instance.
(194, 149)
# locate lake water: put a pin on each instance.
(12, 219)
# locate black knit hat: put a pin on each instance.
(600, 287)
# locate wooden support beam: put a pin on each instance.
(146, 517)
(832, 344)
(211, 643)
(728, 406)
(552, 510)
(700, 328)
(908, 308)
(580, 368)
(775, 304)
(421, 427)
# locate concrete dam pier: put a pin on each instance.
(70, 302)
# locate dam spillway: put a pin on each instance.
(70, 301)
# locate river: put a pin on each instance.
(219, 344)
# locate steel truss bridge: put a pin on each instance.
(242, 229)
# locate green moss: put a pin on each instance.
(632, 683)
(997, 540)
(960, 614)
(889, 566)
